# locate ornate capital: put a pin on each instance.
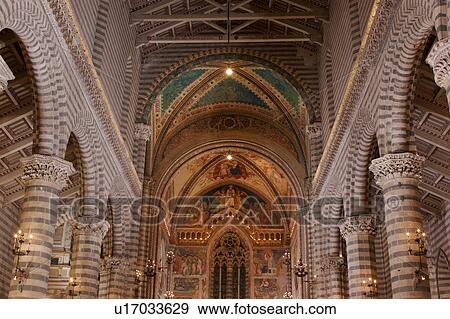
(365, 224)
(48, 168)
(114, 263)
(98, 229)
(439, 60)
(5, 75)
(392, 166)
(143, 132)
(149, 185)
(332, 263)
(314, 130)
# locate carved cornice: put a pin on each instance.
(364, 224)
(332, 264)
(143, 132)
(439, 60)
(47, 168)
(5, 75)
(98, 229)
(114, 263)
(373, 38)
(393, 166)
(86, 69)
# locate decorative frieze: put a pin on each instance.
(366, 224)
(439, 60)
(5, 75)
(98, 229)
(392, 166)
(48, 168)
(335, 263)
(143, 132)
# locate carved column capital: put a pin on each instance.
(114, 263)
(143, 132)
(5, 75)
(149, 185)
(392, 166)
(332, 263)
(439, 60)
(364, 224)
(48, 168)
(98, 229)
(314, 130)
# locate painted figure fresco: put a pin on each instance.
(186, 287)
(189, 262)
(230, 169)
(266, 288)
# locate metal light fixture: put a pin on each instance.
(300, 269)
(20, 274)
(151, 270)
(419, 240)
(370, 288)
(72, 285)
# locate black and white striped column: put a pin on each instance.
(87, 242)
(113, 278)
(359, 232)
(44, 177)
(398, 175)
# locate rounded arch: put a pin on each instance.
(287, 168)
(31, 25)
(358, 161)
(223, 54)
(405, 44)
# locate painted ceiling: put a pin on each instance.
(244, 86)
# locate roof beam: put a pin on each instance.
(155, 6)
(222, 17)
(432, 139)
(16, 115)
(437, 168)
(223, 39)
(323, 13)
(433, 190)
(11, 149)
(431, 107)
(10, 176)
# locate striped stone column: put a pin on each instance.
(44, 177)
(398, 175)
(359, 232)
(85, 262)
(113, 278)
(331, 268)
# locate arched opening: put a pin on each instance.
(230, 268)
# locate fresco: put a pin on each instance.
(186, 287)
(266, 288)
(189, 262)
(229, 169)
(230, 90)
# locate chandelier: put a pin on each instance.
(20, 274)
(287, 262)
(419, 240)
(71, 287)
(370, 288)
(151, 270)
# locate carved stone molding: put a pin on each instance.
(5, 75)
(149, 185)
(77, 47)
(439, 60)
(48, 168)
(98, 229)
(114, 263)
(314, 130)
(142, 132)
(332, 264)
(366, 224)
(392, 166)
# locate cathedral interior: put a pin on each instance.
(224, 149)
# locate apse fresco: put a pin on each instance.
(186, 288)
(270, 273)
(189, 262)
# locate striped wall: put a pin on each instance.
(9, 217)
